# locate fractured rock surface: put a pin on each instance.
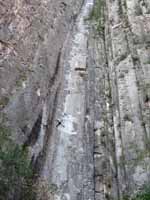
(80, 101)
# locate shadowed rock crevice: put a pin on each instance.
(35, 132)
(40, 160)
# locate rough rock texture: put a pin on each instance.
(32, 34)
(69, 162)
(79, 100)
(122, 105)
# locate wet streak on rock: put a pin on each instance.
(55, 75)
(32, 138)
(40, 161)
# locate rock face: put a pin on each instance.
(123, 103)
(122, 99)
(31, 38)
(77, 98)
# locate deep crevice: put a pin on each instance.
(35, 132)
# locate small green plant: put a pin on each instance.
(125, 197)
(97, 16)
(20, 80)
(3, 102)
(144, 194)
(15, 170)
(45, 189)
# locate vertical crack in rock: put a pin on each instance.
(41, 158)
(120, 108)
(35, 132)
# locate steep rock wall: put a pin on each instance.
(122, 137)
(32, 34)
(78, 98)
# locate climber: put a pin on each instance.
(59, 123)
